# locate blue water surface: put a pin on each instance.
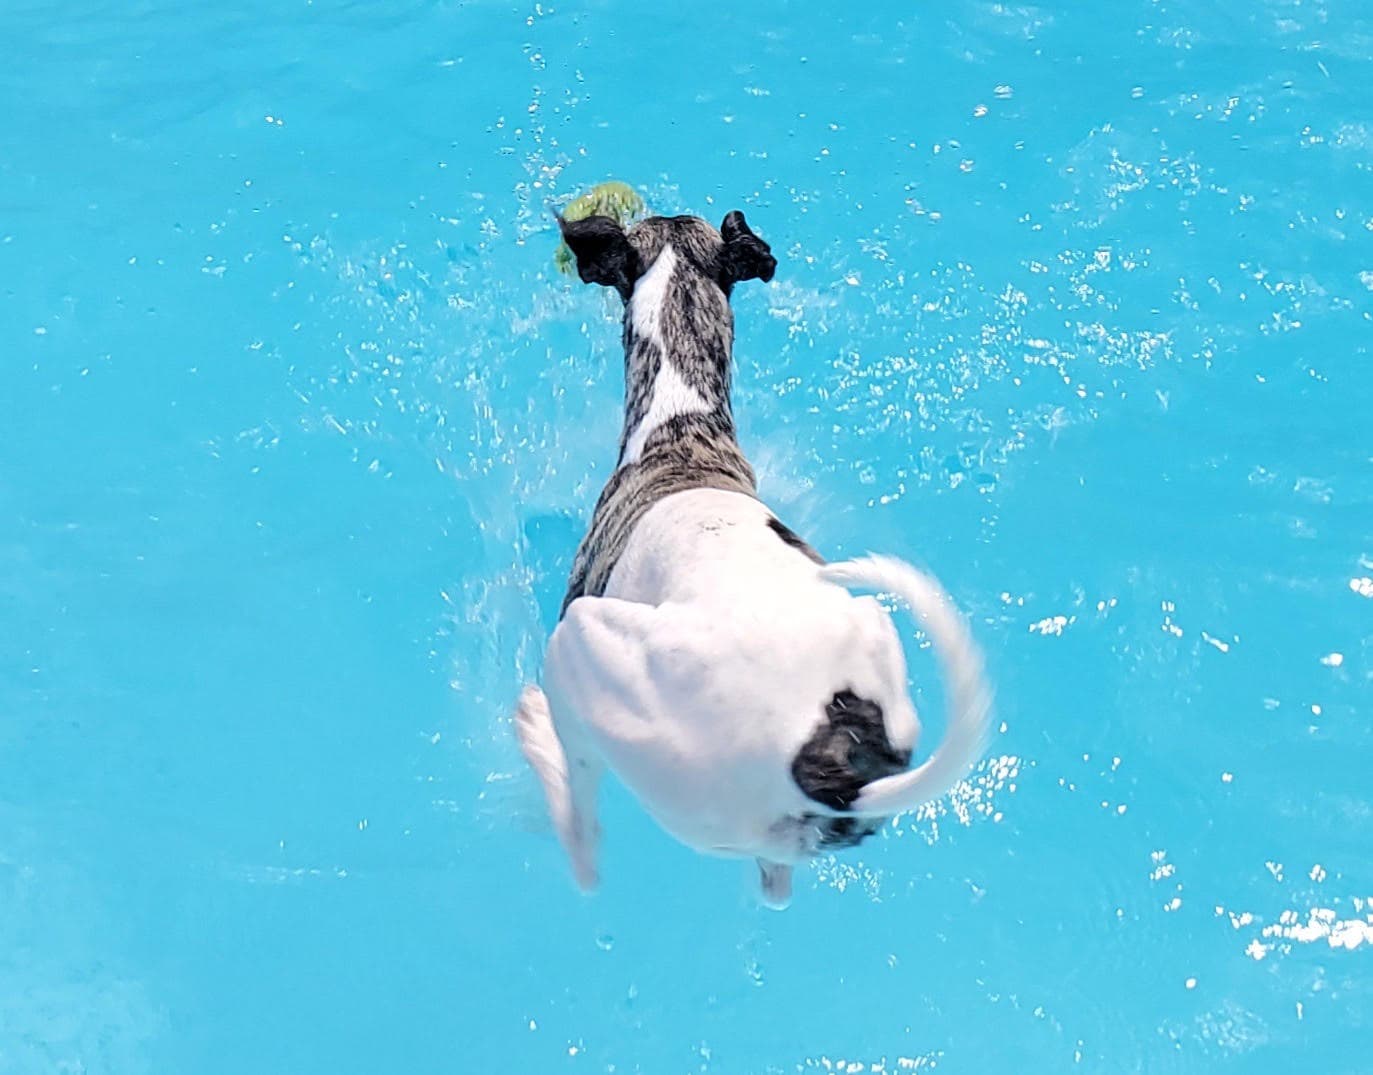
(301, 427)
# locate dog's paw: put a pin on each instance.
(774, 884)
(584, 870)
(581, 840)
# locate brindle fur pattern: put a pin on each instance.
(690, 451)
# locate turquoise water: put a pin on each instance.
(301, 429)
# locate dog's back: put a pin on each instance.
(675, 274)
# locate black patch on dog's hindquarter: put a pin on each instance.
(790, 537)
(848, 751)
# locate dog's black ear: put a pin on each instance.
(603, 253)
(746, 256)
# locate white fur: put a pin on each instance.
(706, 666)
(708, 663)
(650, 292)
(569, 790)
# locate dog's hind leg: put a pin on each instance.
(583, 841)
(569, 778)
(774, 882)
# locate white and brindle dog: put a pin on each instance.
(706, 654)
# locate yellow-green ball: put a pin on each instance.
(614, 199)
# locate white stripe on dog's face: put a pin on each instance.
(671, 394)
(650, 293)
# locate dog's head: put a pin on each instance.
(610, 255)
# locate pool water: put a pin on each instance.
(302, 427)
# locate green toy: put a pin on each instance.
(614, 199)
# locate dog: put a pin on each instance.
(705, 653)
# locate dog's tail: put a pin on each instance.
(969, 697)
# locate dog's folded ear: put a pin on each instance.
(746, 256)
(603, 253)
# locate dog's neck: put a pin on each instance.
(678, 341)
